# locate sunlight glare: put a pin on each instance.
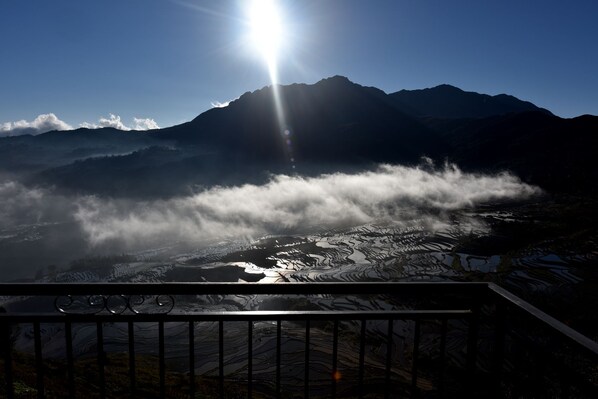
(266, 32)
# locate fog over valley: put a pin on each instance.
(285, 205)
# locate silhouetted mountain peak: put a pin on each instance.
(331, 120)
(336, 79)
(446, 88)
(337, 83)
(441, 102)
(334, 82)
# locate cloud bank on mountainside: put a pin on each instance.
(293, 205)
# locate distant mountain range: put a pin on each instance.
(329, 126)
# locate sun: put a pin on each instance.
(266, 32)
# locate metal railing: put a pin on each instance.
(387, 340)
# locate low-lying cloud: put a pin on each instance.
(292, 204)
(22, 205)
(41, 124)
(285, 205)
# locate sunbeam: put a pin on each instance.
(267, 35)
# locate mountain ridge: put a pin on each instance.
(332, 125)
(446, 101)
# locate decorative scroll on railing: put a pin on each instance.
(115, 304)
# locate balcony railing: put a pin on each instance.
(286, 340)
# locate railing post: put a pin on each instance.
(335, 372)
(307, 328)
(278, 354)
(250, 359)
(191, 359)
(389, 342)
(68, 336)
(414, 365)
(131, 333)
(472, 346)
(362, 357)
(7, 346)
(499, 343)
(39, 362)
(101, 358)
(162, 364)
(221, 358)
(443, 333)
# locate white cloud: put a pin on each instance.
(114, 121)
(218, 104)
(296, 205)
(48, 122)
(144, 124)
(88, 125)
(42, 124)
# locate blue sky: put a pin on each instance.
(170, 60)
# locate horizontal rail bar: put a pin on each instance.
(564, 330)
(423, 288)
(237, 316)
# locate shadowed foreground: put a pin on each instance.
(330, 340)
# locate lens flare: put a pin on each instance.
(337, 375)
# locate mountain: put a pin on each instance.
(333, 125)
(555, 153)
(449, 102)
(332, 121)
(34, 153)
